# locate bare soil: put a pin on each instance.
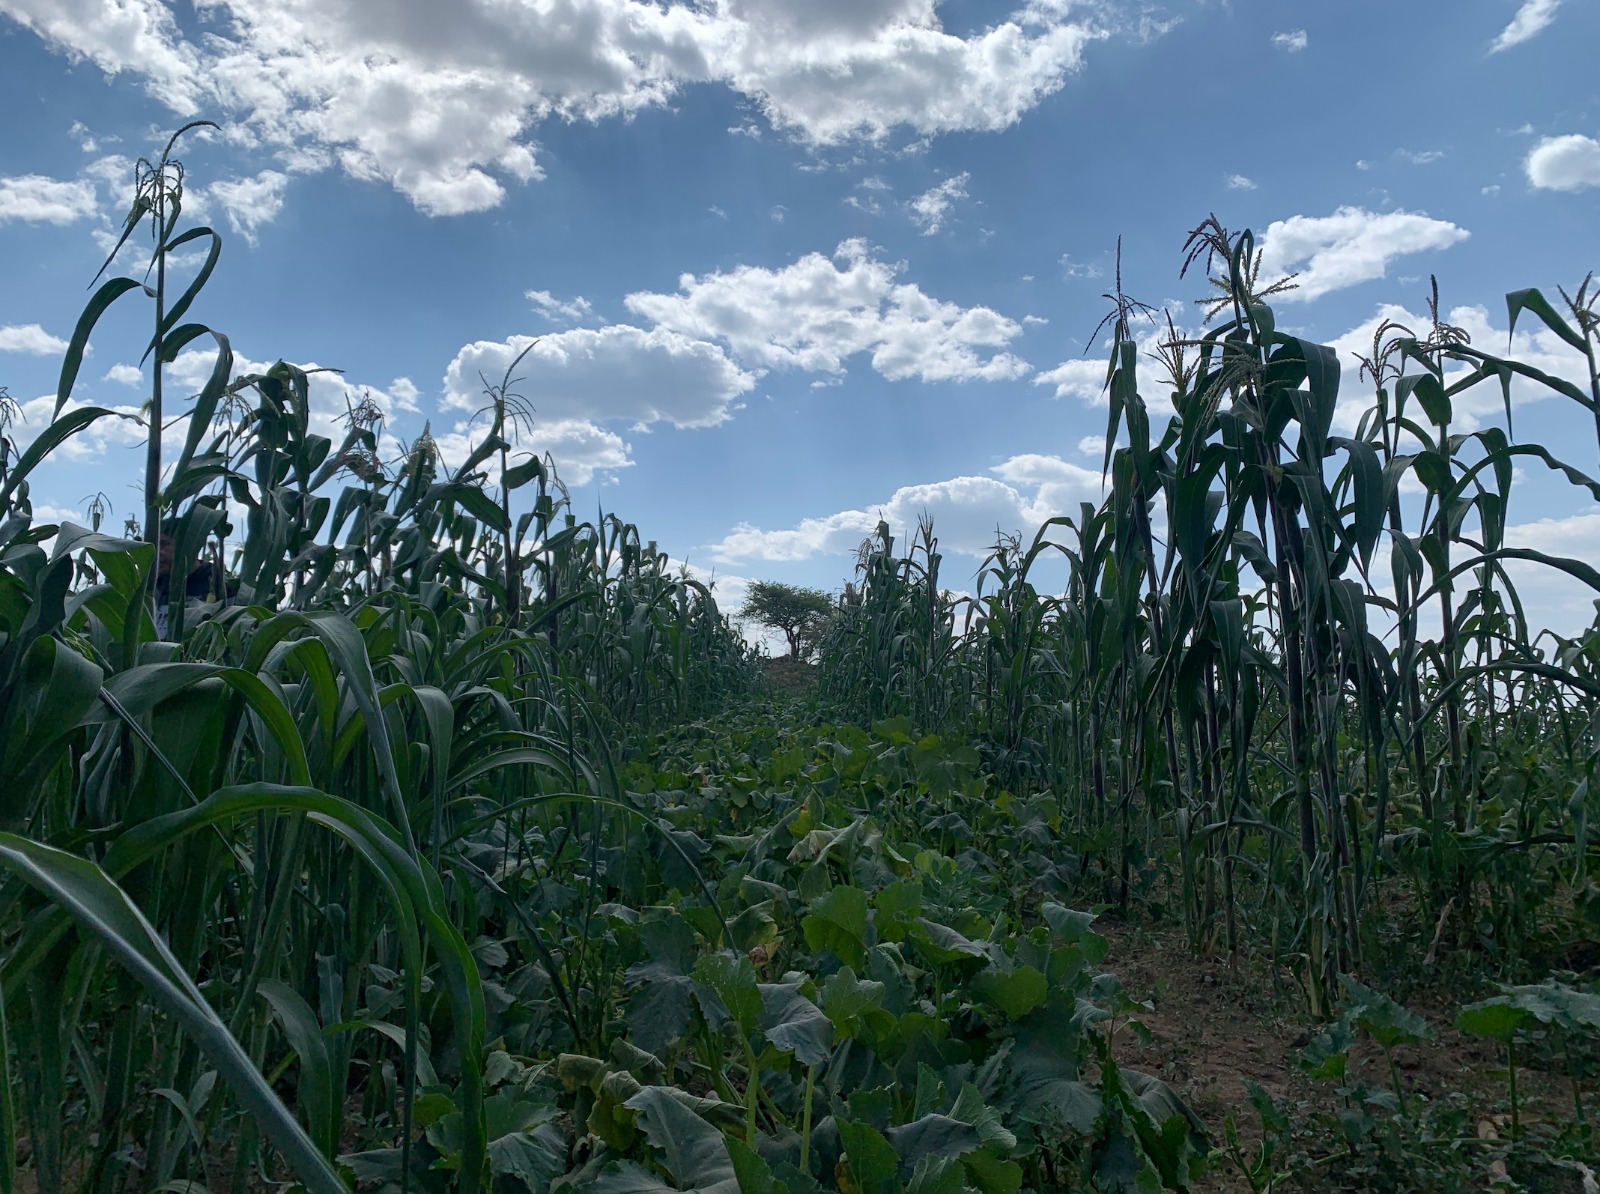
(1215, 1024)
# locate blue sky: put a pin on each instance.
(795, 264)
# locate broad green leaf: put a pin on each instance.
(1381, 1018)
(932, 1135)
(694, 1152)
(1016, 992)
(943, 945)
(1497, 1019)
(794, 1024)
(837, 923)
(731, 980)
(873, 1165)
(846, 998)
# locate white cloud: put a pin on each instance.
(439, 101)
(930, 209)
(33, 198)
(819, 311)
(1082, 377)
(86, 140)
(126, 375)
(1420, 157)
(717, 211)
(968, 513)
(30, 338)
(1293, 41)
(1093, 446)
(404, 393)
(778, 212)
(250, 202)
(1076, 269)
(1530, 19)
(1349, 247)
(1238, 182)
(590, 375)
(560, 310)
(1568, 163)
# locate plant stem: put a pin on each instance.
(805, 1121)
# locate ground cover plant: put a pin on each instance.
(371, 823)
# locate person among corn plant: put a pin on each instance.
(205, 582)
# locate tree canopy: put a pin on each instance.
(798, 612)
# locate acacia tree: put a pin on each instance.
(797, 612)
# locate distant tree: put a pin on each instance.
(796, 611)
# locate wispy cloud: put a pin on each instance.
(561, 310)
(1293, 41)
(1532, 19)
(1238, 182)
(1079, 269)
(930, 209)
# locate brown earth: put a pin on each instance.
(787, 676)
(1215, 1024)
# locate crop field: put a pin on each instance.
(372, 824)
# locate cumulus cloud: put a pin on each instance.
(1292, 41)
(125, 374)
(403, 391)
(33, 198)
(441, 101)
(1530, 19)
(1082, 377)
(1568, 163)
(930, 209)
(819, 311)
(250, 202)
(32, 339)
(1349, 247)
(1238, 182)
(968, 513)
(618, 372)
